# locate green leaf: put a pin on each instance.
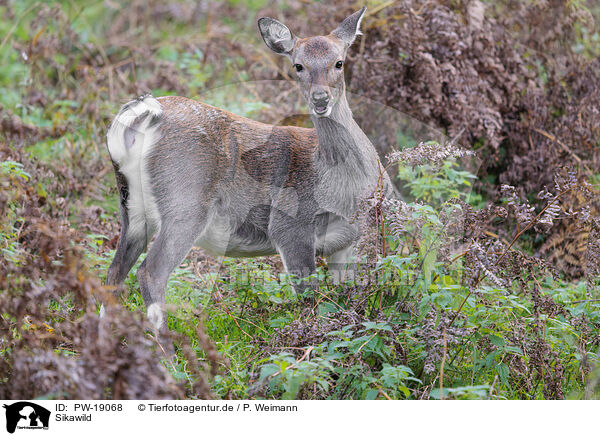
(326, 308)
(372, 394)
(497, 340)
(514, 350)
(370, 325)
(428, 265)
(267, 371)
(503, 372)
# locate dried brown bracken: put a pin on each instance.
(66, 350)
(503, 78)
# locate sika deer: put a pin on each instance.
(198, 175)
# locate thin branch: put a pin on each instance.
(442, 366)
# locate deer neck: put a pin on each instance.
(346, 162)
(340, 138)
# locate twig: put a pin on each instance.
(553, 138)
(458, 256)
(379, 8)
(328, 298)
(169, 357)
(275, 65)
(382, 392)
(492, 386)
(251, 323)
(503, 255)
(362, 346)
(234, 319)
(294, 365)
(594, 300)
(442, 367)
(531, 223)
(14, 26)
(96, 179)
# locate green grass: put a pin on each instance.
(397, 346)
(361, 361)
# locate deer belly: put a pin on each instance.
(222, 239)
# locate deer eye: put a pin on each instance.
(298, 67)
(339, 64)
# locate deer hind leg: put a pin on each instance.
(133, 131)
(175, 239)
(130, 247)
(128, 251)
(131, 243)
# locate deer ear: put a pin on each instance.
(350, 27)
(276, 35)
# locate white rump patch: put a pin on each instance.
(143, 212)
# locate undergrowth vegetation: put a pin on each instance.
(482, 282)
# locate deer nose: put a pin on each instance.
(320, 98)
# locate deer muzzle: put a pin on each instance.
(320, 102)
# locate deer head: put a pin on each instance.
(318, 60)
